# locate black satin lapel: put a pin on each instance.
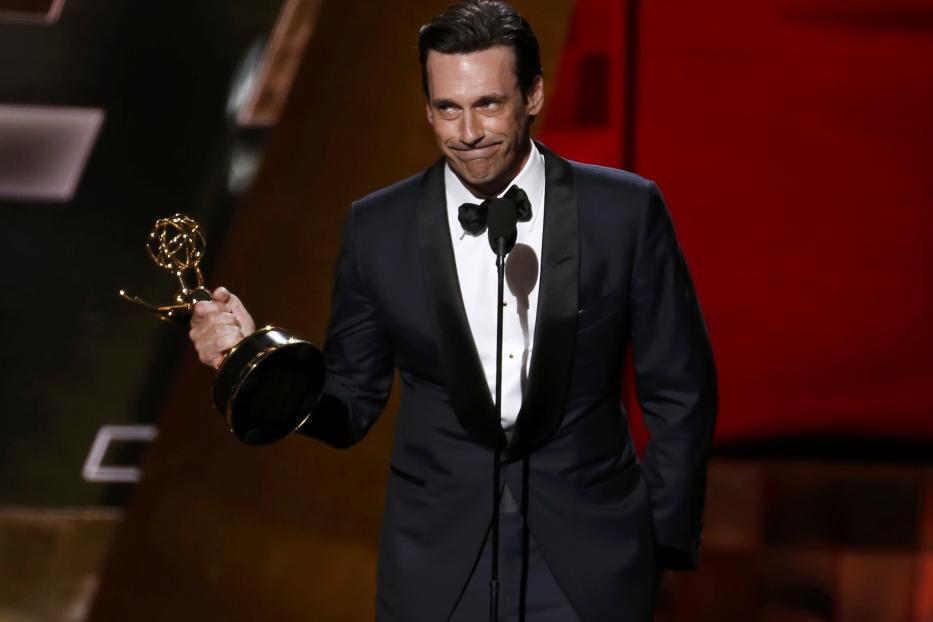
(463, 371)
(555, 328)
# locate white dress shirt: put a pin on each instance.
(476, 272)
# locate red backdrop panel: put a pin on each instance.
(793, 142)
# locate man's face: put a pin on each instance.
(479, 115)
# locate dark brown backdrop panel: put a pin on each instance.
(219, 531)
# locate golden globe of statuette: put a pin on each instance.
(176, 244)
(268, 383)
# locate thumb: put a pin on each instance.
(221, 294)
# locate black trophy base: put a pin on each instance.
(268, 385)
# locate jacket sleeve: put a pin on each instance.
(675, 382)
(357, 352)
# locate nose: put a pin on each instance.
(471, 129)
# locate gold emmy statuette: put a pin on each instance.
(268, 383)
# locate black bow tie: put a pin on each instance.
(473, 217)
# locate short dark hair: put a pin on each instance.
(476, 25)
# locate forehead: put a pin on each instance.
(466, 76)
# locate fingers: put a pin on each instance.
(242, 316)
(212, 340)
(208, 312)
(230, 302)
(218, 325)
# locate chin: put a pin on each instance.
(481, 178)
(482, 175)
(481, 182)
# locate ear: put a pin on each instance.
(535, 100)
(430, 113)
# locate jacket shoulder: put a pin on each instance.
(612, 196)
(402, 193)
(386, 214)
(604, 177)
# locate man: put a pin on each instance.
(597, 269)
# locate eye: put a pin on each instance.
(447, 111)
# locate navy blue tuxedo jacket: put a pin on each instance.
(612, 278)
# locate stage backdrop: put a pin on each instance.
(792, 140)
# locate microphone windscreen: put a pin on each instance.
(501, 220)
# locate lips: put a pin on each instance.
(477, 153)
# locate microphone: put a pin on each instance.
(501, 219)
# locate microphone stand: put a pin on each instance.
(501, 251)
(501, 219)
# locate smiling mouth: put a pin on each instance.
(479, 153)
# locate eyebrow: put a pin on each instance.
(484, 99)
(495, 98)
(442, 103)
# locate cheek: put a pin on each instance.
(507, 126)
(446, 132)
(497, 125)
(443, 138)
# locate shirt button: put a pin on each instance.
(511, 356)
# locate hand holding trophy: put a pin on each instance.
(269, 382)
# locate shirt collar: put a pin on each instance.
(530, 179)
